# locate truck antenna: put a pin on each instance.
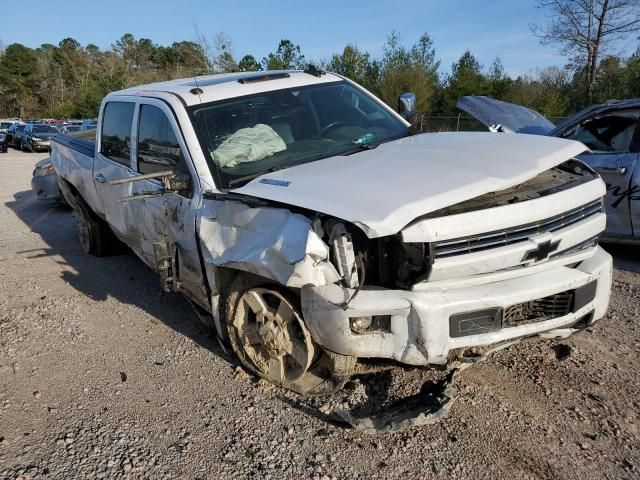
(197, 90)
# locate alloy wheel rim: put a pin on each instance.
(273, 336)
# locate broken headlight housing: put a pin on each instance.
(385, 262)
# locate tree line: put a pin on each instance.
(68, 80)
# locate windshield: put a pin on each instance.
(45, 129)
(247, 136)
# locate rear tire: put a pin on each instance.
(94, 234)
(269, 337)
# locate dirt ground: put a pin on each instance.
(104, 376)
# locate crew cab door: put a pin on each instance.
(612, 140)
(113, 162)
(167, 221)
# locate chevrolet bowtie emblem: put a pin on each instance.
(542, 251)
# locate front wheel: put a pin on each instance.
(268, 334)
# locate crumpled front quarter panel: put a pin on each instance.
(271, 242)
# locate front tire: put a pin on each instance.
(269, 337)
(94, 234)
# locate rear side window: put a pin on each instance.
(158, 147)
(116, 131)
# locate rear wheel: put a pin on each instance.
(269, 336)
(93, 233)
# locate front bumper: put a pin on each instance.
(419, 320)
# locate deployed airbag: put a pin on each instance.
(248, 145)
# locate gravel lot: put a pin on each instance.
(104, 376)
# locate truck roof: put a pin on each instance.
(221, 86)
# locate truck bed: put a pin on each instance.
(83, 142)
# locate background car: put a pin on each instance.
(4, 146)
(14, 135)
(70, 128)
(4, 125)
(37, 137)
(610, 129)
(89, 124)
(44, 182)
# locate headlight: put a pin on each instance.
(36, 139)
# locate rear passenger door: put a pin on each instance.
(168, 218)
(112, 162)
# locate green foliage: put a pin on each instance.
(248, 63)
(356, 65)
(287, 56)
(466, 78)
(69, 80)
(412, 69)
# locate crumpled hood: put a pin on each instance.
(384, 189)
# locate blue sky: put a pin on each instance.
(487, 28)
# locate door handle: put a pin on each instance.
(100, 178)
(618, 170)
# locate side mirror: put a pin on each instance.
(408, 107)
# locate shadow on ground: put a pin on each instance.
(122, 276)
(625, 257)
(125, 278)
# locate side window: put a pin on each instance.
(116, 131)
(158, 147)
(609, 134)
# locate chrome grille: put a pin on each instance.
(513, 235)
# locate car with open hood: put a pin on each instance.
(319, 236)
(610, 130)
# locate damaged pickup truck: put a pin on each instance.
(315, 233)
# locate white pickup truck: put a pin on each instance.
(299, 215)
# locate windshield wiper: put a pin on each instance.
(359, 147)
(247, 178)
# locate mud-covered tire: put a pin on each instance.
(325, 373)
(93, 233)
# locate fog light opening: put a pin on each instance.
(370, 324)
(360, 325)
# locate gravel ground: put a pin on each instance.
(104, 376)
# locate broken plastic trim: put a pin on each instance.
(429, 406)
